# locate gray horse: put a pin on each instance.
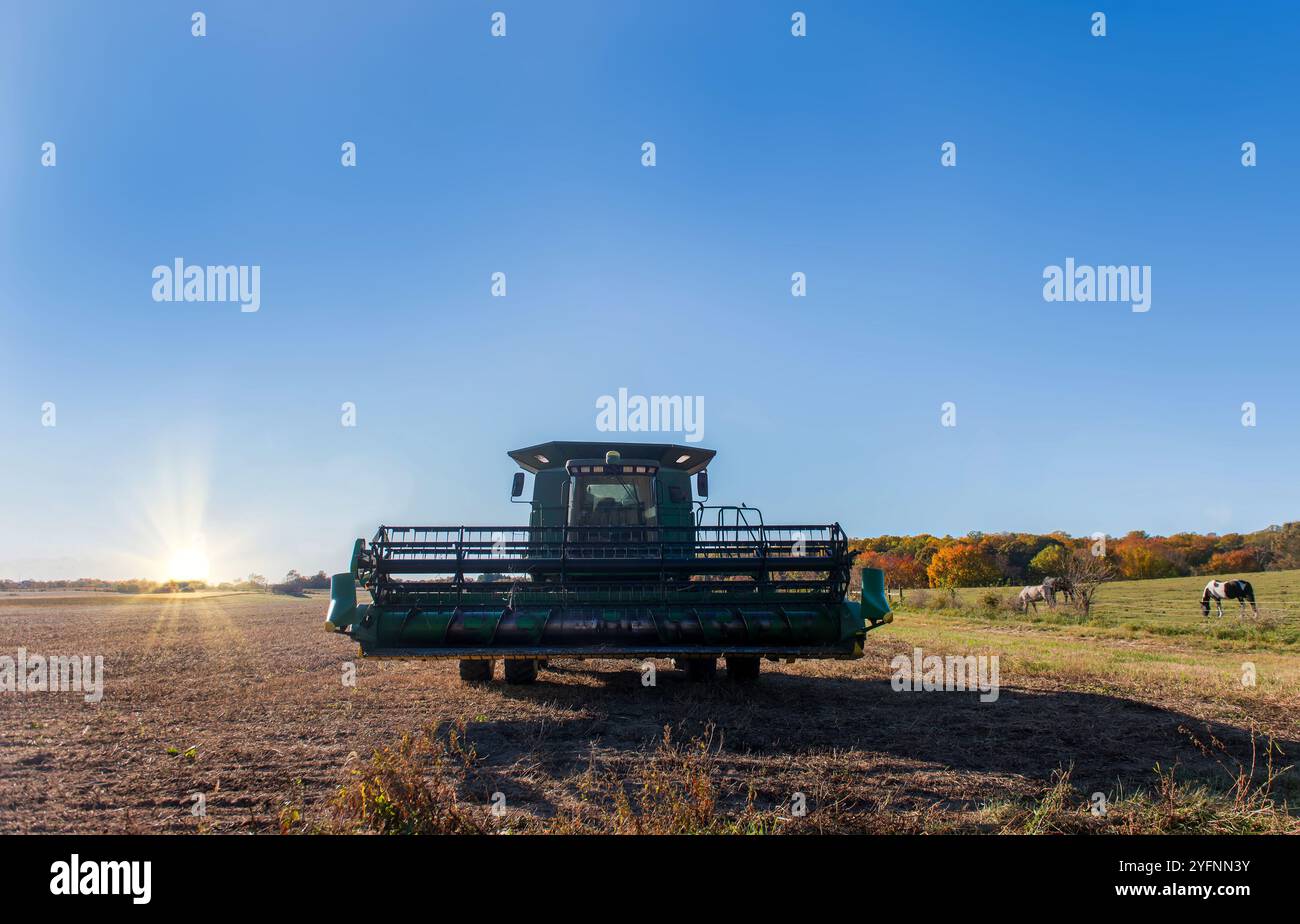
(1030, 597)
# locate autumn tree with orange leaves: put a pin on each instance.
(901, 571)
(962, 564)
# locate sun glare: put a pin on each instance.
(188, 565)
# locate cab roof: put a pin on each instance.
(689, 459)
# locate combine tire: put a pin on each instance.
(476, 670)
(521, 670)
(699, 670)
(743, 670)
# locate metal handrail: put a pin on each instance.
(794, 547)
(624, 562)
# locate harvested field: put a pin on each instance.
(241, 697)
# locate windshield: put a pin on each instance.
(612, 500)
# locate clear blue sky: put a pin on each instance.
(194, 422)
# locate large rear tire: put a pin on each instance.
(743, 670)
(700, 670)
(521, 670)
(476, 670)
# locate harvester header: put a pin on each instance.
(619, 559)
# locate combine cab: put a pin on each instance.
(619, 560)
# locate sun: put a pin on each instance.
(188, 565)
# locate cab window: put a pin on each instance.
(612, 500)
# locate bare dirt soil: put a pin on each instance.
(241, 698)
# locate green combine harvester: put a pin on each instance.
(619, 560)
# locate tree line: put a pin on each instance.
(992, 559)
(294, 583)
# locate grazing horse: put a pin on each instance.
(1218, 591)
(1058, 585)
(1030, 597)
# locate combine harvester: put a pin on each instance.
(619, 560)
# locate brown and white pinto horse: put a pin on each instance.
(1218, 591)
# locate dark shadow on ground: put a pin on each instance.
(1107, 740)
